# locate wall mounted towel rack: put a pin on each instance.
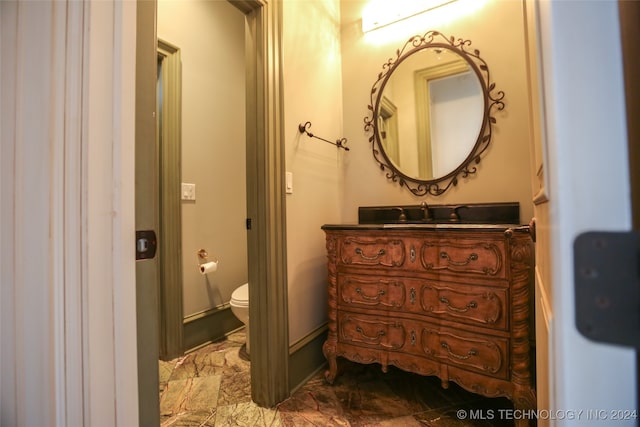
(340, 143)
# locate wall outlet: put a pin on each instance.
(188, 191)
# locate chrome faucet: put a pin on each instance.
(426, 213)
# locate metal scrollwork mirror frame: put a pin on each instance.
(493, 101)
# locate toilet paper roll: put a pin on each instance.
(208, 267)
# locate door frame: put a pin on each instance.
(169, 146)
(266, 210)
(146, 213)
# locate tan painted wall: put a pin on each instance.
(329, 185)
(312, 92)
(497, 30)
(210, 35)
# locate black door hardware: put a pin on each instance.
(146, 244)
(607, 286)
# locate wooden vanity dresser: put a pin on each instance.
(446, 300)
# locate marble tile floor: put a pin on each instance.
(210, 387)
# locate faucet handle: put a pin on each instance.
(455, 216)
(403, 215)
(426, 213)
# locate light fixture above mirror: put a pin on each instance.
(381, 13)
(386, 21)
(420, 145)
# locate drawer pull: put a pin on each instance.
(380, 293)
(472, 257)
(413, 337)
(370, 258)
(412, 254)
(469, 306)
(412, 295)
(376, 338)
(469, 354)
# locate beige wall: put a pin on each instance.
(327, 80)
(210, 35)
(497, 30)
(312, 92)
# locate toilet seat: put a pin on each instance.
(240, 297)
(240, 308)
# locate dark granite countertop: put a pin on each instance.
(428, 226)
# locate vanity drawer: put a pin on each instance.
(371, 331)
(467, 257)
(481, 353)
(372, 292)
(474, 305)
(476, 352)
(371, 251)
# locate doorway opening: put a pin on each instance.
(266, 241)
(169, 147)
(202, 163)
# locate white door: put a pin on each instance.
(587, 186)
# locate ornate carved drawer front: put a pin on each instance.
(387, 252)
(475, 305)
(383, 334)
(480, 353)
(466, 257)
(368, 291)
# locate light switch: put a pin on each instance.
(188, 191)
(289, 182)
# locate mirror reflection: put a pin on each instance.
(431, 113)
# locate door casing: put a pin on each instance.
(266, 210)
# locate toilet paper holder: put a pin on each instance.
(204, 265)
(203, 256)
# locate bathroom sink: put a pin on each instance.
(441, 216)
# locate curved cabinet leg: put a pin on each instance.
(525, 400)
(329, 351)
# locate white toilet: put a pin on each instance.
(240, 307)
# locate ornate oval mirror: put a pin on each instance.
(431, 113)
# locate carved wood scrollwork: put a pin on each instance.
(480, 258)
(464, 317)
